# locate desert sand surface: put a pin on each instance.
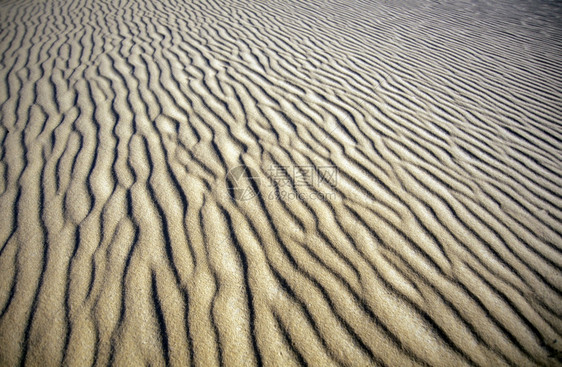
(280, 183)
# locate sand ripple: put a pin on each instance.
(280, 183)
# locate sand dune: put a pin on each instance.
(280, 183)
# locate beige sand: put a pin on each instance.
(423, 227)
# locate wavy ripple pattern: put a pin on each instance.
(440, 243)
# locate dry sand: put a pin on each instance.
(280, 183)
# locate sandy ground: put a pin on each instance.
(280, 183)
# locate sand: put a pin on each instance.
(280, 183)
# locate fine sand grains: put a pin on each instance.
(280, 183)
